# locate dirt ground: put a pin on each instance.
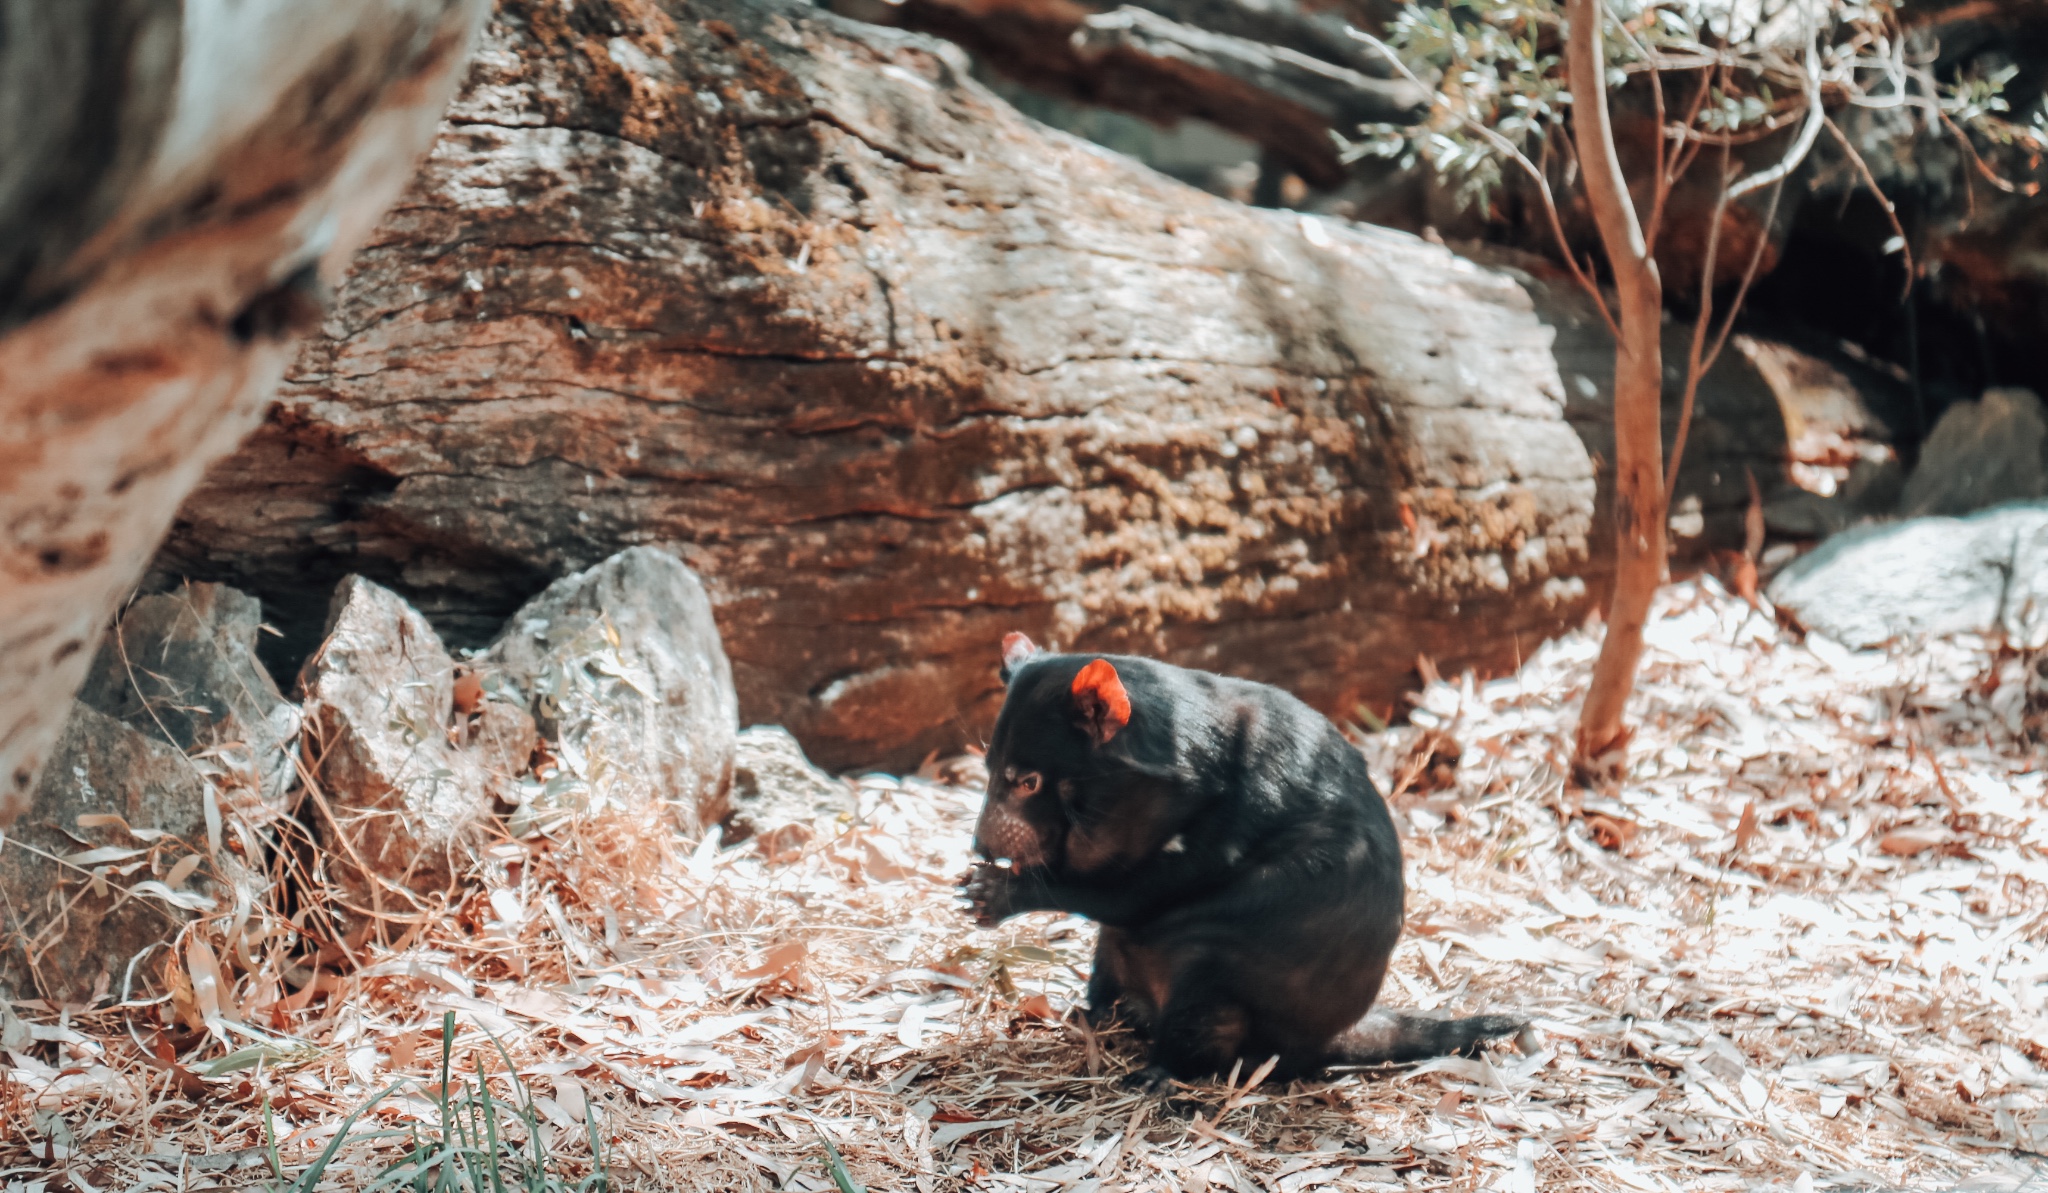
(1802, 946)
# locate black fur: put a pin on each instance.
(1246, 874)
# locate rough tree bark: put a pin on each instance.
(897, 371)
(174, 183)
(1638, 392)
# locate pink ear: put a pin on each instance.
(1016, 649)
(1100, 698)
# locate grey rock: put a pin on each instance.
(406, 799)
(175, 702)
(500, 739)
(1986, 574)
(181, 666)
(1981, 454)
(68, 931)
(627, 679)
(774, 784)
(1871, 492)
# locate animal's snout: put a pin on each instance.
(1003, 832)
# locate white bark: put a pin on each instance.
(177, 183)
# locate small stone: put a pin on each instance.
(60, 938)
(774, 786)
(408, 804)
(626, 677)
(181, 667)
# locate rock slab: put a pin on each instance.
(629, 684)
(403, 797)
(1981, 454)
(69, 929)
(182, 666)
(1982, 574)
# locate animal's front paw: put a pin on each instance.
(1101, 1014)
(1152, 1079)
(989, 891)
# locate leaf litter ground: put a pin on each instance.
(1800, 946)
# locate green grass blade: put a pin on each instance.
(447, 1053)
(835, 1166)
(270, 1141)
(491, 1134)
(536, 1177)
(311, 1177)
(599, 1178)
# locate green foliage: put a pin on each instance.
(468, 1151)
(1732, 72)
(1498, 66)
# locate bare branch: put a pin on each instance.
(1699, 364)
(1991, 176)
(1803, 143)
(1606, 187)
(1762, 130)
(1890, 212)
(1660, 182)
(1688, 152)
(1693, 369)
(1749, 272)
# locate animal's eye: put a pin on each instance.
(1026, 785)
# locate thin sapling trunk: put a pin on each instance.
(1639, 506)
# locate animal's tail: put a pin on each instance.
(1394, 1037)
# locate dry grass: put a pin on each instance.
(1812, 956)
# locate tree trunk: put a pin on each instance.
(898, 371)
(1639, 511)
(174, 184)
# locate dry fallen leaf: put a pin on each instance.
(1038, 1006)
(1611, 832)
(1906, 842)
(1746, 829)
(183, 870)
(469, 692)
(776, 962)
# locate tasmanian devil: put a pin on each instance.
(1245, 873)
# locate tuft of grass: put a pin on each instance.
(466, 1152)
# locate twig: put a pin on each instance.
(1803, 143)
(1660, 182)
(1698, 365)
(1693, 371)
(1991, 176)
(1890, 212)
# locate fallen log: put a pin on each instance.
(897, 371)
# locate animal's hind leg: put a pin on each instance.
(1109, 988)
(1200, 1031)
